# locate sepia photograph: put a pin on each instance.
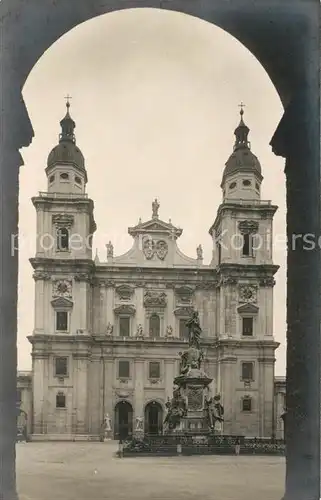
(160, 250)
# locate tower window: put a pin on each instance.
(78, 180)
(123, 369)
(247, 327)
(247, 249)
(60, 400)
(154, 326)
(124, 326)
(247, 371)
(154, 369)
(247, 404)
(257, 187)
(62, 239)
(64, 176)
(61, 321)
(183, 329)
(61, 367)
(51, 179)
(246, 183)
(233, 185)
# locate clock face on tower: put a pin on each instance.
(247, 293)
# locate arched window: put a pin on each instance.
(60, 400)
(62, 238)
(154, 326)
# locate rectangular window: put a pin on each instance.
(61, 367)
(154, 369)
(61, 321)
(123, 369)
(247, 327)
(247, 404)
(124, 326)
(60, 400)
(183, 330)
(247, 250)
(247, 371)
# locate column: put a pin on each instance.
(170, 318)
(38, 381)
(139, 318)
(80, 389)
(228, 382)
(102, 307)
(169, 375)
(39, 304)
(298, 139)
(139, 383)
(110, 305)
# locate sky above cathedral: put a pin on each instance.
(155, 97)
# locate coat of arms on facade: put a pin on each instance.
(155, 299)
(247, 293)
(161, 249)
(148, 247)
(62, 288)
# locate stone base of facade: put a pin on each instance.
(64, 437)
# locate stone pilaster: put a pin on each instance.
(110, 294)
(80, 399)
(228, 366)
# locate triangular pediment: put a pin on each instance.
(61, 302)
(248, 309)
(155, 226)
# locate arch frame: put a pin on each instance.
(284, 36)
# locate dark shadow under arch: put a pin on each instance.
(153, 418)
(123, 419)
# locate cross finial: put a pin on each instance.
(68, 97)
(242, 106)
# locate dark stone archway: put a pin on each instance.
(154, 417)
(284, 36)
(123, 426)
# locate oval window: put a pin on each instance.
(64, 176)
(233, 185)
(257, 187)
(78, 180)
(246, 183)
(52, 178)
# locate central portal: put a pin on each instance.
(153, 418)
(123, 420)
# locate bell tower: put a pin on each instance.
(242, 256)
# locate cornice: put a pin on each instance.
(71, 264)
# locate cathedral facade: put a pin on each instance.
(107, 335)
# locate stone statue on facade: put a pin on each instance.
(169, 332)
(176, 410)
(155, 207)
(109, 330)
(139, 332)
(199, 252)
(110, 250)
(214, 411)
(139, 424)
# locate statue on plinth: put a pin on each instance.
(192, 358)
(176, 410)
(214, 411)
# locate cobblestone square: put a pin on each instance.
(90, 471)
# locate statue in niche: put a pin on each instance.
(109, 330)
(169, 331)
(199, 252)
(110, 250)
(139, 332)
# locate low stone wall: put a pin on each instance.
(201, 445)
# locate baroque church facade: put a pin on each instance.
(107, 335)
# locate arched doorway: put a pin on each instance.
(153, 418)
(123, 420)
